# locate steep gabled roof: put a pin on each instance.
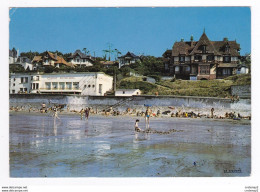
(181, 48)
(214, 47)
(233, 47)
(56, 58)
(204, 40)
(129, 54)
(37, 59)
(80, 54)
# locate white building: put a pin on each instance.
(127, 92)
(90, 83)
(24, 62)
(81, 59)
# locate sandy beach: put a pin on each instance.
(107, 146)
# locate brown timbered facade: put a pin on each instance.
(203, 59)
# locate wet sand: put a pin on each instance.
(108, 147)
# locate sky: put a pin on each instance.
(148, 31)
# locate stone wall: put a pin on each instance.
(76, 102)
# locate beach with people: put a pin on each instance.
(177, 143)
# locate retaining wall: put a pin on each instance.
(77, 102)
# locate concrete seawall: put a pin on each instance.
(77, 102)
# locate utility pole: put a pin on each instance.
(114, 79)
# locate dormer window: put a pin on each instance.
(204, 49)
(226, 48)
(182, 59)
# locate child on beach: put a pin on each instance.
(137, 129)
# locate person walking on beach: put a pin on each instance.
(86, 113)
(55, 114)
(148, 112)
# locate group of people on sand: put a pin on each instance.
(85, 111)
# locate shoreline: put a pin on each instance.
(131, 116)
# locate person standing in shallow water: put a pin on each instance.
(212, 112)
(148, 113)
(87, 113)
(55, 114)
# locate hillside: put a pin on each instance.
(211, 88)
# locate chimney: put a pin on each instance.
(182, 40)
(225, 39)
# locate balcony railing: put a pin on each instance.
(58, 89)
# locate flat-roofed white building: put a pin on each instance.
(127, 92)
(90, 83)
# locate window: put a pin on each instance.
(210, 58)
(226, 71)
(25, 89)
(93, 86)
(182, 59)
(78, 60)
(177, 68)
(31, 77)
(37, 78)
(89, 85)
(48, 85)
(54, 85)
(226, 48)
(14, 79)
(137, 93)
(227, 59)
(85, 86)
(26, 80)
(13, 84)
(123, 92)
(75, 85)
(197, 57)
(13, 91)
(204, 69)
(68, 85)
(21, 79)
(100, 88)
(84, 60)
(21, 89)
(62, 85)
(37, 85)
(187, 68)
(204, 49)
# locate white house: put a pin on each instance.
(127, 92)
(128, 59)
(89, 83)
(24, 62)
(81, 59)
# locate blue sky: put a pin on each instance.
(148, 31)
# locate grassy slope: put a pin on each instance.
(211, 88)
